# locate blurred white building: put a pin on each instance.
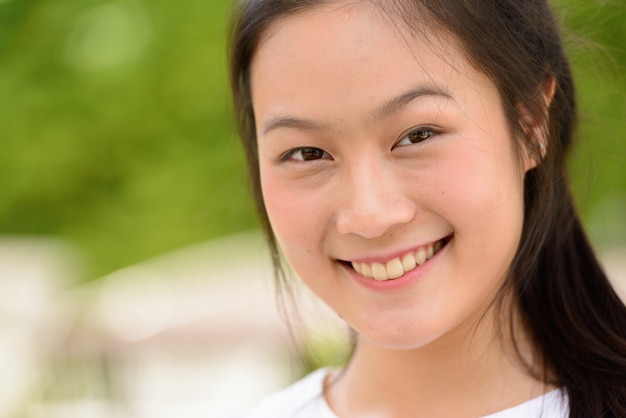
(194, 333)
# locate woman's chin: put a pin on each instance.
(400, 340)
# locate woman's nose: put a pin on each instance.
(373, 202)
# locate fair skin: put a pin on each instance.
(395, 191)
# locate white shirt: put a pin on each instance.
(305, 399)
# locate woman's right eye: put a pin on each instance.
(417, 135)
(305, 154)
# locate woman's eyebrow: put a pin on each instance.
(383, 111)
(294, 123)
(395, 104)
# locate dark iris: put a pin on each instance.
(310, 153)
(419, 135)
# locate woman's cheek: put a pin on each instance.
(489, 189)
(291, 211)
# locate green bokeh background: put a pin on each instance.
(117, 132)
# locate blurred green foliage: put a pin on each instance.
(117, 132)
(116, 126)
(595, 35)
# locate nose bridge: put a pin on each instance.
(373, 199)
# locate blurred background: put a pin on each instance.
(133, 279)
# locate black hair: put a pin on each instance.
(575, 318)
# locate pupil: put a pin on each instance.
(419, 136)
(311, 153)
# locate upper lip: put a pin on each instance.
(392, 255)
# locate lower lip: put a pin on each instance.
(403, 282)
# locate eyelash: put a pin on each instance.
(417, 131)
(289, 155)
(318, 153)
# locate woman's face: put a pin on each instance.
(388, 172)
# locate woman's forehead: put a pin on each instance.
(333, 54)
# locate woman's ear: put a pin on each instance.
(549, 87)
(537, 127)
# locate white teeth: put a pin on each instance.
(429, 252)
(408, 262)
(357, 267)
(398, 266)
(420, 256)
(379, 272)
(394, 268)
(366, 270)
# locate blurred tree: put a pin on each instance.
(595, 32)
(116, 126)
(117, 131)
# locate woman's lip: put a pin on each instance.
(397, 254)
(403, 282)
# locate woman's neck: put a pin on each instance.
(472, 371)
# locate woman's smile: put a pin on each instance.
(396, 272)
(388, 268)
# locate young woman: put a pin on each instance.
(408, 159)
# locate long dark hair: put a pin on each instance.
(576, 320)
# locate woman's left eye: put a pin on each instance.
(304, 154)
(417, 135)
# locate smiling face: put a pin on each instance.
(388, 171)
